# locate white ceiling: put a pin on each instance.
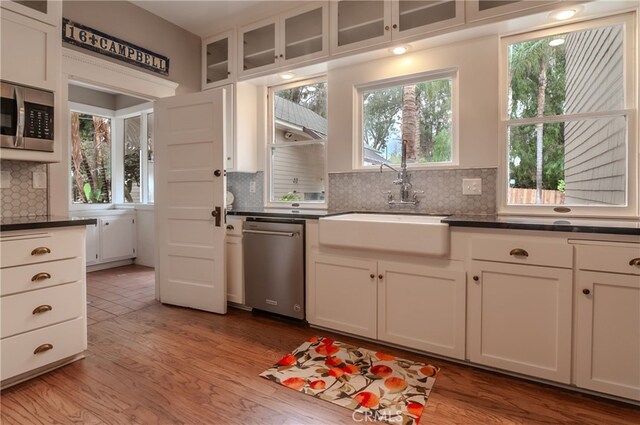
(209, 17)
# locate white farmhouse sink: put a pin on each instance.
(408, 234)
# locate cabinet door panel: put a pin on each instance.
(422, 308)
(413, 17)
(118, 238)
(358, 24)
(608, 333)
(235, 274)
(218, 60)
(305, 33)
(92, 244)
(344, 295)
(258, 47)
(520, 319)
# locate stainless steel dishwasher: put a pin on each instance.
(274, 265)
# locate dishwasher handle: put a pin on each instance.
(270, 233)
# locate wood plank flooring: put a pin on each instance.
(158, 364)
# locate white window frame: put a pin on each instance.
(141, 110)
(630, 70)
(440, 74)
(93, 110)
(302, 205)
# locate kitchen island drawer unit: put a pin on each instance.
(43, 300)
(39, 275)
(32, 350)
(22, 248)
(32, 310)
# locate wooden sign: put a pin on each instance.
(88, 38)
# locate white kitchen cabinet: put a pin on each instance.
(343, 294)
(608, 319)
(297, 36)
(418, 306)
(422, 307)
(235, 271)
(30, 50)
(42, 301)
(477, 10)
(357, 24)
(218, 60)
(113, 239)
(117, 238)
(47, 11)
(241, 124)
(92, 244)
(520, 319)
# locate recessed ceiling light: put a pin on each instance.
(556, 42)
(399, 50)
(287, 75)
(562, 15)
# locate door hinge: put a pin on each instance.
(96, 256)
(134, 250)
(133, 220)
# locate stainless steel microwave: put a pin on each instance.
(26, 120)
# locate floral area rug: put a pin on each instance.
(375, 385)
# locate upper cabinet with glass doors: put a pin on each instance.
(359, 24)
(477, 10)
(47, 11)
(290, 38)
(218, 60)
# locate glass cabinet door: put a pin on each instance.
(304, 34)
(411, 17)
(218, 61)
(360, 23)
(259, 47)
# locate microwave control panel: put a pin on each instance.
(39, 121)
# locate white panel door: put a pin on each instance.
(189, 204)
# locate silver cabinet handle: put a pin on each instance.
(19, 140)
(271, 233)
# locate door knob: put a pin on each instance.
(380, 276)
(217, 214)
(217, 173)
(476, 278)
(586, 291)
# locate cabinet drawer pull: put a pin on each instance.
(230, 227)
(43, 348)
(40, 276)
(372, 276)
(42, 309)
(635, 262)
(476, 278)
(41, 250)
(380, 276)
(519, 252)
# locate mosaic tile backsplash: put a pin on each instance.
(239, 183)
(366, 191)
(21, 199)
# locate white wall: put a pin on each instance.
(477, 63)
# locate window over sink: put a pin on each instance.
(296, 150)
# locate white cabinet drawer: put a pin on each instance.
(619, 258)
(18, 353)
(523, 250)
(234, 226)
(41, 275)
(36, 309)
(19, 249)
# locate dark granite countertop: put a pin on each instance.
(41, 222)
(576, 225)
(282, 213)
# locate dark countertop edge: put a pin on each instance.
(568, 228)
(47, 224)
(459, 221)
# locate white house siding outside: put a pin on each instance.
(595, 149)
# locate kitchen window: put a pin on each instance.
(420, 109)
(569, 120)
(111, 155)
(296, 152)
(91, 152)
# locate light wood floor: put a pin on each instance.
(167, 365)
